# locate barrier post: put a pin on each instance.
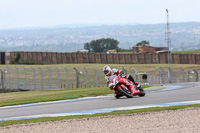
(34, 77)
(77, 77)
(96, 77)
(25, 77)
(197, 74)
(135, 73)
(183, 74)
(42, 84)
(67, 77)
(2, 82)
(49, 77)
(86, 77)
(59, 86)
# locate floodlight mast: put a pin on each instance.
(168, 40)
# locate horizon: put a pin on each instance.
(88, 25)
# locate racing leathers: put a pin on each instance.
(118, 72)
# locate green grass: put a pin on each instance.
(129, 52)
(187, 52)
(139, 67)
(16, 98)
(46, 119)
(27, 97)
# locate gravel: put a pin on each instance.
(178, 121)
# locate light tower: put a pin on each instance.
(168, 41)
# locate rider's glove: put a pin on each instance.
(138, 86)
(111, 85)
(121, 72)
(136, 83)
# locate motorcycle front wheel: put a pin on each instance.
(125, 92)
(142, 92)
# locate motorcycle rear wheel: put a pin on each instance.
(124, 92)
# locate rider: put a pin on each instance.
(109, 72)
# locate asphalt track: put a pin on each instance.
(176, 93)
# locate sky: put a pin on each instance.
(42, 13)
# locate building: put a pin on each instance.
(150, 49)
(83, 51)
(112, 51)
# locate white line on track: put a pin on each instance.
(101, 110)
(170, 87)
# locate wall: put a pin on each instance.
(102, 58)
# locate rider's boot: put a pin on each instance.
(130, 77)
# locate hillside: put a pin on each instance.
(69, 39)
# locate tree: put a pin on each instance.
(143, 43)
(87, 46)
(101, 45)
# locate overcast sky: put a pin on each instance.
(31, 13)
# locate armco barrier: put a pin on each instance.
(101, 58)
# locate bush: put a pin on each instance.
(17, 60)
(17, 57)
(26, 62)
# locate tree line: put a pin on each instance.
(104, 44)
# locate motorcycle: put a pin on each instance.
(124, 87)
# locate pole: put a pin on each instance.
(17, 77)
(50, 77)
(67, 77)
(197, 74)
(9, 77)
(86, 77)
(135, 73)
(59, 85)
(25, 77)
(160, 78)
(34, 77)
(96, 77)
(42, 83)
(77, 77)
(168, 40)
(2, 83)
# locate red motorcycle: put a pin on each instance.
(124, 87)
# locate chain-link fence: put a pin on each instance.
(177, 75)
(32, 78)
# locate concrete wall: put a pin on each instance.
(102, 58)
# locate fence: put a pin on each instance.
(30, 78)
(65, 58)
(177, 75)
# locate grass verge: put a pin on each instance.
(148, 68)
(16, 98)
(46, 119)
(187, 52)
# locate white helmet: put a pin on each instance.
(107, 70)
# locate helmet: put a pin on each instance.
(107, 70)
